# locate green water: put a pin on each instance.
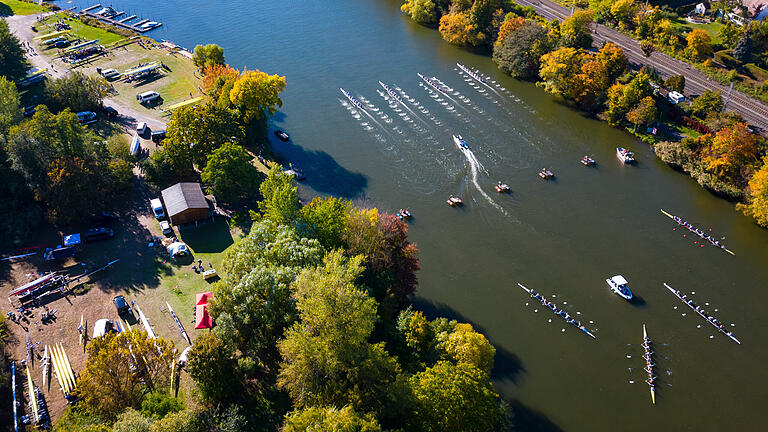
(562, 237)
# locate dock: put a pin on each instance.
(142, 26)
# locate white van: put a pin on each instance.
(110, 74)
(147, 96)
(157, 208)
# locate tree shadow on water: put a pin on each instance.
(322, 172)
(506, 366)
(528, 420)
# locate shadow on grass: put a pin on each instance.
(209, 238)
(323, 173)
(506, 366)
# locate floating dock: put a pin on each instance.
(139, 27)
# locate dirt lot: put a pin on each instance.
(143, 275)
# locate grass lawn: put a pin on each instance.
(17, 7)
(711, 28)
(79, 29)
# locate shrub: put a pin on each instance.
(756, 72)
(726, 59)
(159, 404)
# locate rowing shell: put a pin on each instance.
(582, 328)
(703, 315)
(646, 347)
(673, 218)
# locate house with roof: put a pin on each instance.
(185, 204)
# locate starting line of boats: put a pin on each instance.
(697, 231)
(557, 311)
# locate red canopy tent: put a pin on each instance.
(202, 318)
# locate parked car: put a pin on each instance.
(147, 96)
(104, 218)
(157, 208)
(110, 74)
(121, 305)
(166, 227)
(95, 234)
(86, 117)
(142, 128)
(110, 112)
(158, 136)
(102, 327)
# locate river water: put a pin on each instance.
(562, 238)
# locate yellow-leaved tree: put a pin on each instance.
(757, 207)
(257, 93)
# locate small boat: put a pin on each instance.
(624, 155)
(587, 161)
(352, 99)
(648, 356)
(282, 135)
(404, 214)
(460, 142)
(471, 73)
(294, 171)
(454, 201)
(557, 311)
(135, 145)
(699, 310)
(713, 241)
(620, 286)
(502, 187)
(431, 83)
(546, 174)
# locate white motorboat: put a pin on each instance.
(460, 142)
(620, 286)
(135, 145)
(624, 155)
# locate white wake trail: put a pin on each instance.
(475, 166)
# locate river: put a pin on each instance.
(561, 237)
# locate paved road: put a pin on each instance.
(21, 26)
(752, 110)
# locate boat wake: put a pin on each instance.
(475, 168)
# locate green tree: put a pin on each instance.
(743, 49)
(132, 421)
(454, 397)
(623, 13)
(481, 13)
(707, 102)
(10, 109)
(730, 34)
(327, 359)
(213, 366)
(421, 11)
(518, 54)
(622, 98)
(182, 421)
(676, 83)
(208, 55)
(230, 173)
(159, 404)
(647, 47)
(194, 132)
(13, 65)
(559, 70)
(465, 345)
(280, 202)
(575, 30)
(644, 112)
(329, 419)
(76, 91)
(19, 210)
(122, 369)
(699, 45)
(257, 94)
(325, 220)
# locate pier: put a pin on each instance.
(110, 17)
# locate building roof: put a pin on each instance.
(183, 196)
(754, 6)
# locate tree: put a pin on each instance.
(623, 13)
(13, 64)
(675, 83)
(230, 173)
(10, 109)
(481, 14)
(75, 187)
(132, 421)
(519, 52)
(743, 50)
(622, 98)
(76, 91)
(647, 47)
(421, 11)
(329, 419)
(194, 132)
(454, 397)
(707, 102)
(644, 112)
(666, 34)
(182, 421)
(510, 24)
(730, 34)
(699, 45)
(18, 209)
(159, 404)
(732, 153)
(327, 360)
(575, 30)
(213, 366)
(465, 345)
(325, 220)
(256, 94)
(757, 205)
(280, 202)
(458, 29)
(558, 72)
(122, 369)
(208, 55)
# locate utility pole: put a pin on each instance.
(727, 99)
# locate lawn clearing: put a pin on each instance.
(17, 7)
(83, 31)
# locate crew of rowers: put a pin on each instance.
(698, 232)
(558, 311)
(712, 320)
(648, 362)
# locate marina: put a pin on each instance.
(109, 16)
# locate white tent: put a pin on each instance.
(177, 248)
